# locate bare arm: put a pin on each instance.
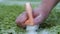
(47, 5)
(39, 14)
(44, 9)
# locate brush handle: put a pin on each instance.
(29, 12)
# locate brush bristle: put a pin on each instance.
(32, 29)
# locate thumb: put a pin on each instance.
(39, 19)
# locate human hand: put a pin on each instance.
(38, 15)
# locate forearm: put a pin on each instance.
(48, 5)
(45, 8)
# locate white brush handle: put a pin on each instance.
(29, 12)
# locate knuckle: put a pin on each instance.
(17, 21)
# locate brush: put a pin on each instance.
(30, 28)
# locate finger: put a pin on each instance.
(21, 25)
(21, 18)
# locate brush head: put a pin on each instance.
(32, 32)
(32, 29)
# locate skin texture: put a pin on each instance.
(40, 13)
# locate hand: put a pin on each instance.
(38, 15)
